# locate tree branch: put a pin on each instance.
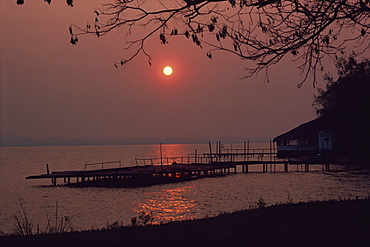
(262, 31)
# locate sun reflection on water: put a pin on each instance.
(168, 204)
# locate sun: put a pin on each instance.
(167, 70)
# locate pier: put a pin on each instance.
(221, 162)
(134, 176)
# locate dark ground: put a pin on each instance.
(343, 223)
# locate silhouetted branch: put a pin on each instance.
(262, 31)
(69, 2)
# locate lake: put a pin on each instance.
(95, 207)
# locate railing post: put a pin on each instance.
(160, 150)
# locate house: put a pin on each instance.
(308, 139)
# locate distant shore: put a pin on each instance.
(20, 141)
(331, 223)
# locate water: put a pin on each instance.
(95, 207)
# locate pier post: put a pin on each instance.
(245, 151)
(210, 151)
(265, 166)
(286, 167)
(160, 151)
(248, 151)
(270, 154)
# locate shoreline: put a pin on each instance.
(327, 223)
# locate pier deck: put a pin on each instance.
(139, 175)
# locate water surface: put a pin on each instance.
(95, 207)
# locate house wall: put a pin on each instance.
(326, 140)
(296, 148)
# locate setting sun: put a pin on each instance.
(167, 70)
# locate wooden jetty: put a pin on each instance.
(135, 176)
(176, 169)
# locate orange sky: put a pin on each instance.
(50, 88)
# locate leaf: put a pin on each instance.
(163, 39)
(174, 31)
(236, 48)
(223, 32)
(74, 41)
(232, 2)
(199, 29)
(20, 2)
(294, 52)
(326, 40)
(70, 3)
(264, 29)
(211, 27)
(209, 55)
(196, 40)
(363, 32)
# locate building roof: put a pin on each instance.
(306, 131)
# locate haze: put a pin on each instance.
(50, 88)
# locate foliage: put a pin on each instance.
(61, 225)
(69, 2)
(115, 225)
(261, 203)
(345, 104)
(143, 219)
(261, 31)
(24, 226)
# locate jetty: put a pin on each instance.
(136, 176)
(221, 162)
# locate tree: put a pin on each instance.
(69, 2)
(345, 103)
(261, 31)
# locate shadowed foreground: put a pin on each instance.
(344, 223)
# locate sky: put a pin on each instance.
(50, 88)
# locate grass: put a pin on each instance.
(25, 227)
(63, 224)
(327, 223)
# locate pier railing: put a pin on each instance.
(101, 164)
(188, 159)
(225, 155)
